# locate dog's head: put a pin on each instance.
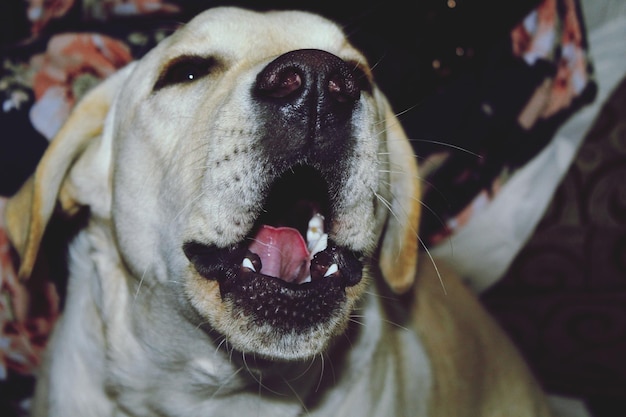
(250, 163)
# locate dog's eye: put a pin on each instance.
(183, 70)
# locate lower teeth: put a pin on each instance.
(247, 263)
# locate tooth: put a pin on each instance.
(315, 230)
(331, 270)
(319, 245)
(247, 263)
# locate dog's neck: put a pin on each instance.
(190, 364)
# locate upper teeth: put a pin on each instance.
(316, 239)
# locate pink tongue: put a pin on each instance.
(283, 253)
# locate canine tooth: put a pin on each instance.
(247, 263)
(331, 270)
(319, 245)
(315, 230)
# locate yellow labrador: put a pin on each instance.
(253, 210)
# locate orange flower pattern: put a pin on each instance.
(71, 64)
(552, 35)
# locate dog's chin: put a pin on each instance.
(268, 315)
(286, 289)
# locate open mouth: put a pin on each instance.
(288, 272)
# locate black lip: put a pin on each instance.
(284, 306)
(271, 300)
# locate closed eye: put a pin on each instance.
(185, 69)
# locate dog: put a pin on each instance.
(249, 242)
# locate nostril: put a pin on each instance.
(343, 89)
(281, 83)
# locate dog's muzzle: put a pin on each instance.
(288, 272)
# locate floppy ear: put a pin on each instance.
(58, 177)
(400, 244)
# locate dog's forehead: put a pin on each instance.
(243, 34)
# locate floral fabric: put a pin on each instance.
(540, 76)
(43, 76)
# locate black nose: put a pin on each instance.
(306, 99)
(309, 73)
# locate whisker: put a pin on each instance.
(202, 323)
(408, 109)
(230, 377)
(351, 319)
(305, 371)
(449, 145)
(322, 365)
(224, 341)
(423, 204)
(145, 271)
(432, 260)
(381, 296)
(390, 171)
(387, 204)
(332, 366)
(258, 380)
(436, 142)
(187, 205)
(295, 393)
(377, 63)
(396, 325)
